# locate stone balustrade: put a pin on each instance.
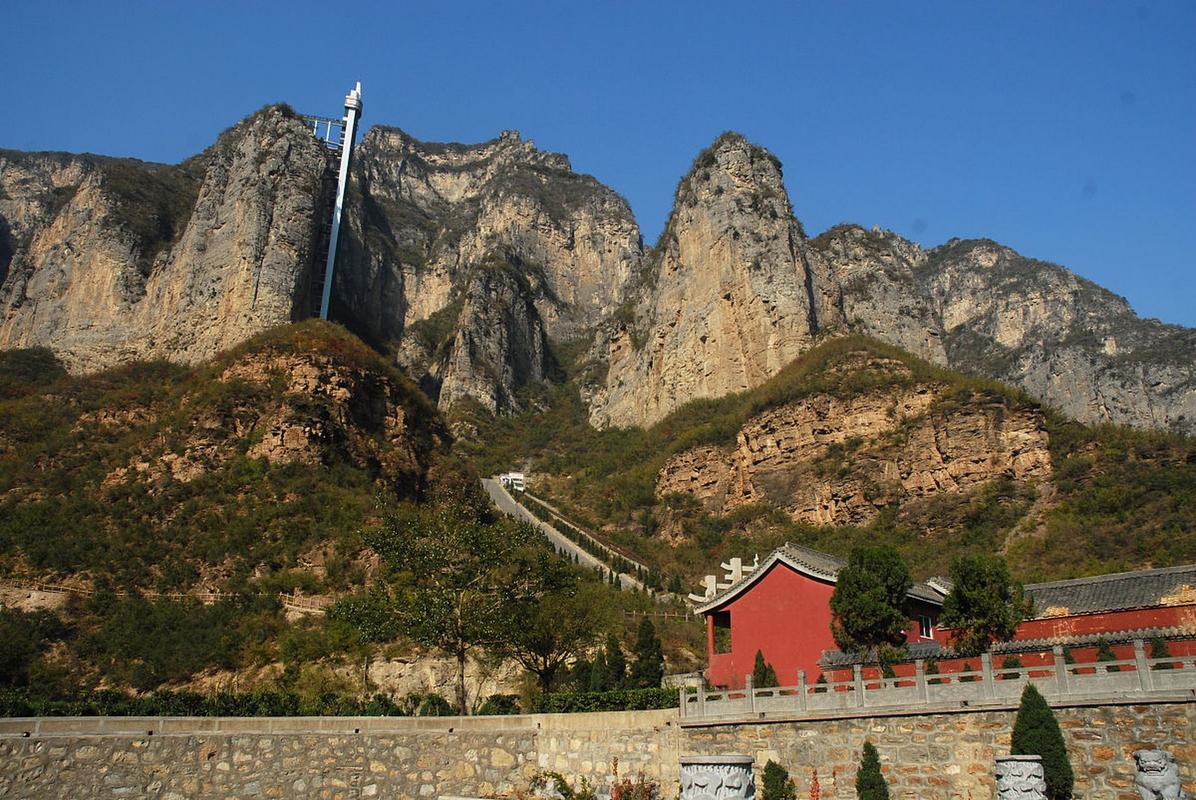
(1140, 677)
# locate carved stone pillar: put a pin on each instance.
(1020, 778)
(717, 778)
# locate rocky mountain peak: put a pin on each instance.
(729, 300)
(111, 260)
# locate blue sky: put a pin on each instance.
(1066, 130)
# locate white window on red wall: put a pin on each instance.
(925, 627)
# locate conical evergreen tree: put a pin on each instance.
(777, 783)
(762, 672)
(648, 669)
(869, 782)
(616, 663)
(1036, 733)
(599, 680)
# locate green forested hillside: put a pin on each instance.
(1118, 498)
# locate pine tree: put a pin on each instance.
(777, 783)
(763, 674)
(869, 782)
(648, 669)
(1036, 733)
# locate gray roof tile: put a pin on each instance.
(1116, 592)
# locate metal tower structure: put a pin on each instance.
(339, 136)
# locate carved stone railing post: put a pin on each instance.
(857, 673)
(717, 778)
(750, 690)
(920, 679)
(682, 696)
(1060, 670)
(1145, 678)
(986, 667)
(803, 700)
(1020, 778)
(701, 697)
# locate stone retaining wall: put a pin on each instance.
(945, 756)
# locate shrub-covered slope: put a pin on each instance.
(223, 476)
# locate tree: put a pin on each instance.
(869, 602)
(762, 672)
(1036, 732)
(777, 785)
(647, 670)
(1104, 652)
(556, 627)
(1158, 649)
(616, 662)
(869, 782)
(599, 680)
(456, 574)
(985, 605)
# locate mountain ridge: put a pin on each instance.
(733, 290)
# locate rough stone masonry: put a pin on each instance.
(927, 757)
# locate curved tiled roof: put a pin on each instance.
(1119, 591)
(811, 562)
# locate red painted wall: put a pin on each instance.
(786, 615)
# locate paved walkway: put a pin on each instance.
(512, 508)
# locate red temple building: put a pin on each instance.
(781, 607)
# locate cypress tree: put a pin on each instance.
(762, 672)
(599, 680)
(616, 663)
(1158, 649)
(648, 669)
(1104, 652)
(869, 783)
(777, 783)
(1036, 733)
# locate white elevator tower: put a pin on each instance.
(338, 135)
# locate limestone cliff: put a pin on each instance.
(108, 260)
(424, 216)
(982, 308)
(728, 299)
(498, 345)
(834, 458)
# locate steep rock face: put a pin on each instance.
(879, 297)
(297, 408)
(1062, 338)
(730, 299)
(829, 460)
(499, 344)
(423, 214)
(978, 307)
(109, 260)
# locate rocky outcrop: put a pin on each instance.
(729, 299)
(499, 344)
(108, 260)
(423, 217)
(291, 407)
(837, 460)
(982, 308)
